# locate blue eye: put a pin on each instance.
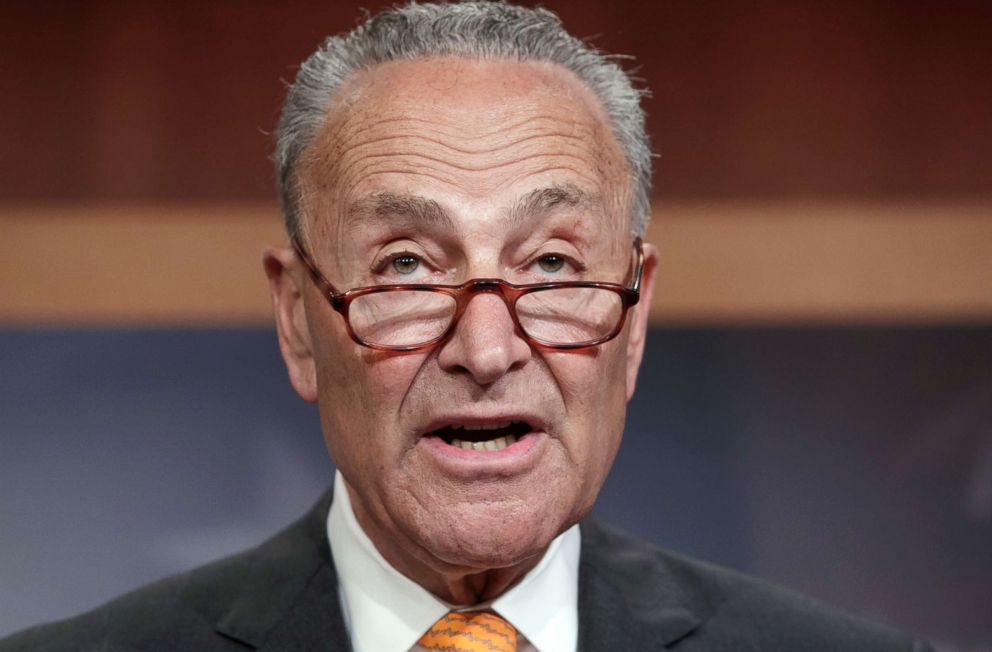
(406, 264)
(551, 263)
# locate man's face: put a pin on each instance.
(437, 172)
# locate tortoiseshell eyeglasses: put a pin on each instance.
(554, 315)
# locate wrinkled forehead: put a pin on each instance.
(482, 134)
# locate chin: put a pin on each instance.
(490, 554)
(500, 541)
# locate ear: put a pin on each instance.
(640, 314)
(286, 283)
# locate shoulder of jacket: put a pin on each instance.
(745, 612)
(182, 611)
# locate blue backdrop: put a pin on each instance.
(851, 463)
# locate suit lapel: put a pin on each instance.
(628, 599)
(289, 598)
(314, 621)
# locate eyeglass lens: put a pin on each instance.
(563, 315)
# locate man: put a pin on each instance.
(464, 187)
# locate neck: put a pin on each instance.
(473, 588)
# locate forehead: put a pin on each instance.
(469, 133)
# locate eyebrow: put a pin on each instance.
(419, 211)
(538, 203)
(395, 207)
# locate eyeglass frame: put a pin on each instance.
(464, 292)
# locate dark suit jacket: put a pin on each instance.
(282, 596)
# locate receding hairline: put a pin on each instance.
(552, 75)
(473, 30)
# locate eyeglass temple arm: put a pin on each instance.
(315, 273)
(638, 265)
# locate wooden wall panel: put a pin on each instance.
(824, 262)
(721, 263)
(136, 264)
(135, 100)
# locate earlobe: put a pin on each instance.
(286, 287)
(640, 316)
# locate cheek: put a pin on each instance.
(593, 387)
(360, 394)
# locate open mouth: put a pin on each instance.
(483, 437)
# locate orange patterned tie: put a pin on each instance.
(470, 631)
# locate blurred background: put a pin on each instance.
(816, 402)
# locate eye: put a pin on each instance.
(551, 263)
(406, 264)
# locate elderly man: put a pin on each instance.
(465, 298)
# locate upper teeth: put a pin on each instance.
(486, 426)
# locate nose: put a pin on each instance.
(485, 344)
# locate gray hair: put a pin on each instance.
(483, 30)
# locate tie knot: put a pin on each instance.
(470, 631)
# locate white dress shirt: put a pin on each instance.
(385, 611)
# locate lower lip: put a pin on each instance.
(515, 458)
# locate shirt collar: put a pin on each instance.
(385, 611)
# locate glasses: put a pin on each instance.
(555, 315)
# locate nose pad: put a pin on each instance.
(485, 342)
